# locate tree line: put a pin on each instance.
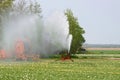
(21, 7)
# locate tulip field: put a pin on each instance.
(50, 69)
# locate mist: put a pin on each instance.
(45, 37)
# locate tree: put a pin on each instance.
(76, 30)
(5, 5)
(26, 8)
(10, 10)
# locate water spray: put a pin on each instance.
(45, 37)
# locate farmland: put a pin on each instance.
(50, 69)
(105, 53)
(94, 65)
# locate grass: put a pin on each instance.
(101, 54)
(49, 69)
(104, 51)
(90, 66)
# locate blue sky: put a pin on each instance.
(99, 18)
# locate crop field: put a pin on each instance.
(50, 69)
(104, 51)
(101, 54)
(110, 49)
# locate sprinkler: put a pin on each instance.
(65, 56)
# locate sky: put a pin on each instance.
(99, 18)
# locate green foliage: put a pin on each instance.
(24, 7)
(5, 6)
(8, 10)
(76, 30)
